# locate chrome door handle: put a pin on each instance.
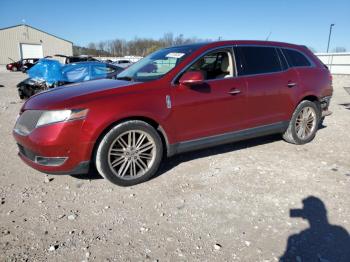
(234, 92)
(291, 84)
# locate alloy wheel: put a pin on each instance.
(131, 154)
(305, 123)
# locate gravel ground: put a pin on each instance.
(227, 203)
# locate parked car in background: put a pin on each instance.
(75, 59)
(50, 73)
(123, 63)
(175, 100)
(22, 65)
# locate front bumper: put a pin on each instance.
(60, 140)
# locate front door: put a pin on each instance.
(214, 107)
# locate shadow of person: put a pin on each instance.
(321, 242)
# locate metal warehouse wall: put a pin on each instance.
(10, 39)
(338, 63)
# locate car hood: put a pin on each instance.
(63, 96)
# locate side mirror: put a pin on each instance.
(192, 78)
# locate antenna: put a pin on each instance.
(268, 36)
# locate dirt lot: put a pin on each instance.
(228, 203)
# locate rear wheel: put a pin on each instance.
(304, 123)
(14, 69)
(130, 153)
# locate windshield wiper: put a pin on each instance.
(127, 78)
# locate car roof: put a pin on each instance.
(194, 45)
(253, 42)
(238, 42)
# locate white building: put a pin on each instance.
(24, 41)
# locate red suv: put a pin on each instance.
(175, 100)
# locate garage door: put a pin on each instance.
(31, 51)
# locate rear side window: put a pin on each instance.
(296, 58)
(283, 60)
(257, 60)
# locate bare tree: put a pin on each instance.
(137, 46)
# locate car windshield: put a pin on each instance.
(157, 64)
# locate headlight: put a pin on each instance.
(31, 119)
(50, 117)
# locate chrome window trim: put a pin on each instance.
(262, 74)
(312, 64)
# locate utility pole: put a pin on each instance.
(329, 37)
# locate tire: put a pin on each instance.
(14, 69)
(294, 132)
(130, 153)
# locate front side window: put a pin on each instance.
(296, 58)
(156, 64)
(253, 60)
(215, 65)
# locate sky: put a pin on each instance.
(302, 22)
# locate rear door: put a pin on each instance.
(309, 76)
(267, 78)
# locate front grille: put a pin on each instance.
(27, 121)
(41, 160)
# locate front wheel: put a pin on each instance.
(130, 153)
(304, 123)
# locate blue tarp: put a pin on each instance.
(53, 71)
(47, 70)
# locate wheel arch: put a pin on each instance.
(312, 98)
(145, 119)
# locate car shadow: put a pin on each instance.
(321, 126)
(347, 89)
(321, 241)
(172, 162)
(91, 175)
(346, 105)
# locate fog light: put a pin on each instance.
(50, 161)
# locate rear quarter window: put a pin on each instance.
(257, 60)
(295, 58)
